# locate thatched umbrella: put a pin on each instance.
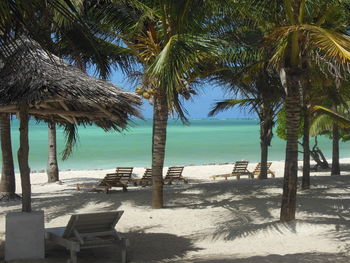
(35, 83)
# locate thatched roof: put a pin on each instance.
(59, 92)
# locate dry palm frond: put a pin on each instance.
(59, 92)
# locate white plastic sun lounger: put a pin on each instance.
(85, 231)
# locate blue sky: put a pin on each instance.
(198, 108)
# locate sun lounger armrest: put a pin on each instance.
(122, 238)
(68, 244)
(113, 174)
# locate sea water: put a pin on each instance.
(203, 141)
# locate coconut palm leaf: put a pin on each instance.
(229, 104)
(182, 54)
(325, 119)
(331, 45)
(321, 124)
(72, 136)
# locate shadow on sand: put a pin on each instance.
(145, 247)
(249, 208)
(289, 258)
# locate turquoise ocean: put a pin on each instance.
(204, 141)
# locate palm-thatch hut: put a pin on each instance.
(35, 83)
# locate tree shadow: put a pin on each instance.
(144, 247)
(289, 258)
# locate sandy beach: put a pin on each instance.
(205, 220)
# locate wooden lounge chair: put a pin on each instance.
(239, 169)
(146, 178)
(174, 173)
(110, 180)
(85, 231)
(124, 173)
(257, 170)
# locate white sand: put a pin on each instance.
(206, 221)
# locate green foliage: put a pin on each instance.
(281, 129)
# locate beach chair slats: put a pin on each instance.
(92, 230)
(93, 222)
(175, 173)
(240, 166)
(257, 170)
(146, 179)
(109, 181)
(147, 174)
(239, 169)
(124, 173)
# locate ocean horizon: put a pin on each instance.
(203, 141)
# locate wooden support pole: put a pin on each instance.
(23, 153)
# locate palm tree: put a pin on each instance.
(8, 183)
(334, 122)
(169, 40)
(261, 92)
(299, 29)
(52, 166)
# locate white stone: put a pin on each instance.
(25, 235)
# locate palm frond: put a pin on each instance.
(320, 124)
(71, 135)
(229, 104)
(181, 55)
(342, 121)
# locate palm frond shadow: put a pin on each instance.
(313, 257)
(231, 230)
(344, 167)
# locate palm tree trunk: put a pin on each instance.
(263, 159)
(290, 80)
(335, 153)
(266, 126)
(306, 148)
(52, 166)
(160, 119)
(8, 183)
(23, 153)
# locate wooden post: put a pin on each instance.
(23, 153)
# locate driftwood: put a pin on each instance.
(317, 155)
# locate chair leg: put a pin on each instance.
(124, 250)
(73, 257)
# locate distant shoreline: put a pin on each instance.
(342, 161)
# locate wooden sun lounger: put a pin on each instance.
(91, 230)
(175, 173)
(146, 178)
(239, 169)
(110, 180)
(257, 170)
(124, 173)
